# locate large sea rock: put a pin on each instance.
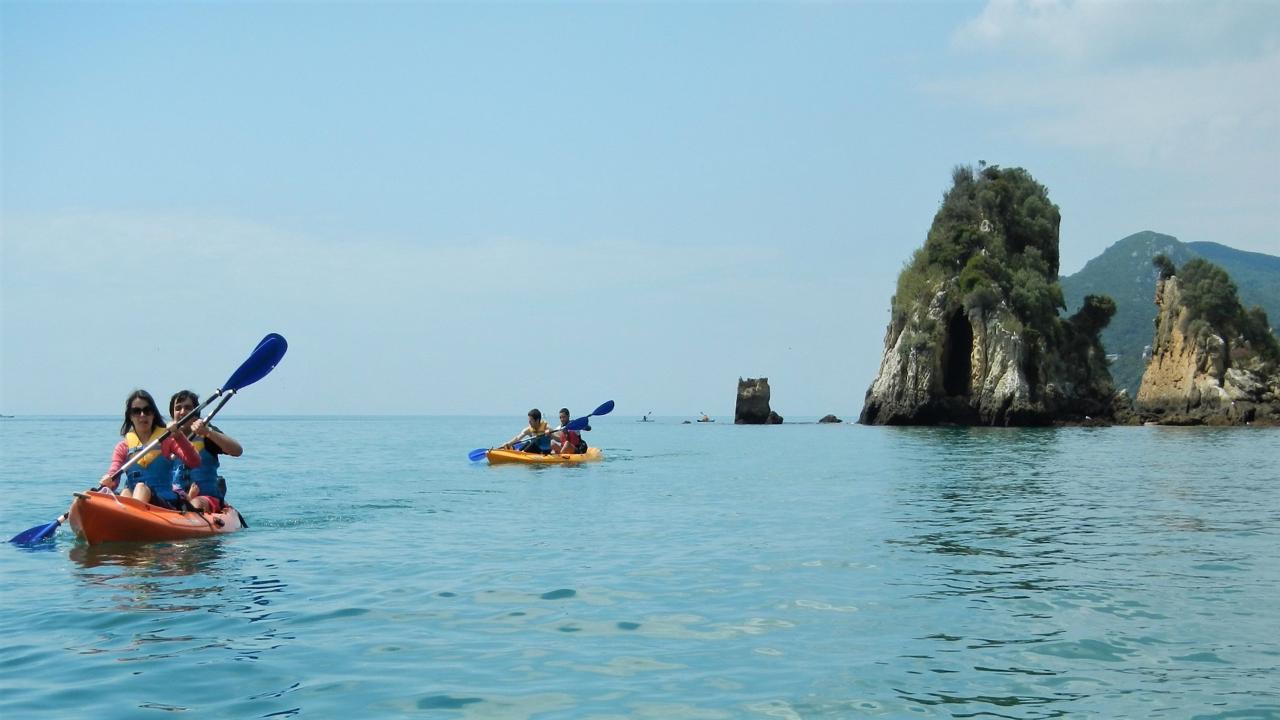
(752, 406)
(974, 337)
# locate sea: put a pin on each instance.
(701, 571)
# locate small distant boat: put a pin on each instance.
(502, 457)
(103, 517)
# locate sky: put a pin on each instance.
(480, 208)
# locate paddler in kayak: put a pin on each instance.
(204, 489)
(538, 430)
(569, 441)
(150, 479)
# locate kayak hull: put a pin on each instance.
(503, 457)
(102, 518)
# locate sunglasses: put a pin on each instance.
(139, 411)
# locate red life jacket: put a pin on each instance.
(574, 440)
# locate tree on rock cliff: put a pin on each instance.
(1213, 306)
(1212, 360)
(975, 334)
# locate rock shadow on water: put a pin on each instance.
(529, 706)
(1084, 650)
(446, 702)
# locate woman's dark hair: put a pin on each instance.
(151, 405)
(564, 411)
(536, 414)
(184, 395)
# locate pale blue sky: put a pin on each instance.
(477, 209)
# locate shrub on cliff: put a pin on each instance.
(1213, 306)
(1095, 314)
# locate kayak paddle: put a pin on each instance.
(575, 424)
(261, 361)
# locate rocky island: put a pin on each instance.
(974, 337)
(1212, 361)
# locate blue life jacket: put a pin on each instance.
(153, 470)
(205, 476)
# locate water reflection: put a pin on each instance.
(192, 587)
(152, 559)
(1002, 533)
(991, 498)
(149, 576)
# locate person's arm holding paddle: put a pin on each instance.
(118, 456)
(225, 442)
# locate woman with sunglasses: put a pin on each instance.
(150, 479)
(205, 490)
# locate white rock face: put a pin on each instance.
(911, 387)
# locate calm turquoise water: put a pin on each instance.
(702, 571)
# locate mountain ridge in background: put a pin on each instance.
(1124, 273)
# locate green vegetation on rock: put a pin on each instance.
(1213, 305)
(995, 237)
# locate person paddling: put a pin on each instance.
(570, 441)
(150, 479)
(539, 432)
(205, 490)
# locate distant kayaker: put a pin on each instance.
(570, 441)
(205, 490)
(538, 430)
(150, 479)
(704, 418)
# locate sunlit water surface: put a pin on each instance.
(701, 571)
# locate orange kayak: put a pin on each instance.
(101, 517)
(499, 457)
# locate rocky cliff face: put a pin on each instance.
(973, 367)
(1194, 378)
(975, 338)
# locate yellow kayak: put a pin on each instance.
(499, 457)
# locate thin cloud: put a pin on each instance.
(1107, 33)
(1165, 85)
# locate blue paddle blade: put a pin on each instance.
(604, 409)
(263, 359)
(36, 534)
(577, 423)
(477, 454)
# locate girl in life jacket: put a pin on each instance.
(150, 479)
(570, 440)
(201, 485)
